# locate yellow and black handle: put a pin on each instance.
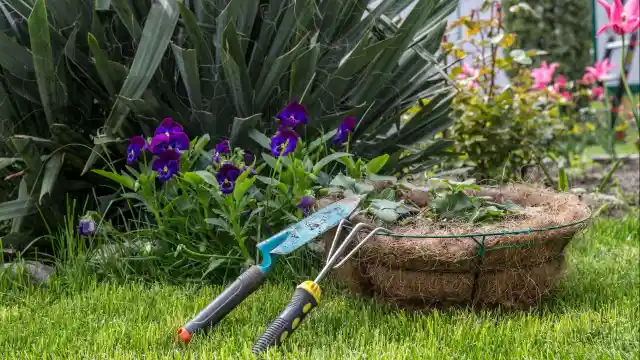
(305, 298)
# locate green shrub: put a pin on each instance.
(218, 67)
(560, 27)
(502, 129)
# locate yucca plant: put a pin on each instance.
(79, 77)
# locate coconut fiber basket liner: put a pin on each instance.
(511, 264)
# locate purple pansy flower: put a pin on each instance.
(167, 127)
(249, 158)
(293, 114)
(284, 142)
(86, 227)
(344, 130)
(166, 165)
(227, 176)
(305, 204)
(221, 148)
(173, 141)
(137, 144)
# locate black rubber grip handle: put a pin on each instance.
(233, 295)
(303, 301)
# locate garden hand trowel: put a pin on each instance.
(282, 243)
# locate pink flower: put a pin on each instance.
(566, 96)
(560, 84)
(600, 70)
(543, 75)
(597, 93)
(622, 20)
(588, 79)
(469, 75)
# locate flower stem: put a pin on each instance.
(623, 75)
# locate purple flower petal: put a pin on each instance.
(344, 130)
(284, 142)
(223, 147)
(249, 158)
(173, 141)
(293, 114)
(137, 144)
(166, 165)
(86, 227)
(168, 126)
(227, 175)
(179, 140)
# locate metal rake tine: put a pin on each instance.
(333, 257)
(360, 244)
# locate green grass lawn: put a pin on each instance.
(593, 315)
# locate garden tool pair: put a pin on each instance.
(306, 296)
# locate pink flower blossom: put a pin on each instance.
(469, 75)
(600, 70)
(560, 84)
(622, 19)
(597, 93)
(543, 75)
(588, 79)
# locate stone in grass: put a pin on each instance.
(35, 272)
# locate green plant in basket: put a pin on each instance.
(451, 202)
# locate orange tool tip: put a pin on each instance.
(184, 335)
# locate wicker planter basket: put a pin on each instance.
(511, 264)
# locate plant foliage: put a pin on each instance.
(79, 77)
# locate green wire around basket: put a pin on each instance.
(482, 249)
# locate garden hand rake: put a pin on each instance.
(307, 294)
(282, 243)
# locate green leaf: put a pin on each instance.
(50, 176)
(563, 182)
(102, 65)
(217, 222)
(260, 138)
(241, 126)
(123, 180)
(376, 177)
(376, 164)
(236, 72)
(327, 159)
(303, 72)
(270, 77)
(195, 35)
(241, 188)
(272, 162)
(520, 56)
(23, 195)
(43, 61)
(15, 57)
(496, 39)
(5, 162)
(343, 181)
(187, 63)
(125, 13)
(15, 209)
(208, 177)
(155, 38)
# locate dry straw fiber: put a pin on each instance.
(510, 270)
